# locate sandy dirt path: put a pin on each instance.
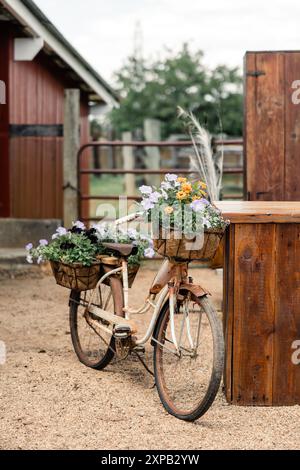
(48, 400)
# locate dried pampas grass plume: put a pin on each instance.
(202, 161)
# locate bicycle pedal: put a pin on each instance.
(122, 331)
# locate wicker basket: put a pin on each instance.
(179, 249)
(76, 276)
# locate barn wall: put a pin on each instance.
(4, 151)
(37, 98)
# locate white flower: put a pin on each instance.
(44, 242)
(154, 197)
(147, 204)
(79, 225)
(102, 229)
(29, 259)
(206, 222)
(146, 189)
(171, 177)
(164, 194)
(149, 253)
(29, 247)
(40, 260)
(132, 233)
(166, 185)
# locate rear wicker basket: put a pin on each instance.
(179, 249)
(76, 276)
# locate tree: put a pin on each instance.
(154, 89)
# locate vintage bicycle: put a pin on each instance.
(184, 330)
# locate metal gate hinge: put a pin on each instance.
(255, 73)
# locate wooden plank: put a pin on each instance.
(70, 151)
(286, 375)
(249, 123)
(253, 314)
(228, 310)
(265, 127)
(292, 129)
(260, 211)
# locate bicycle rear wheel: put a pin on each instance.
(188, 382)
(94, 346)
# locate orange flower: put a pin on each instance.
(169, 210)
(181, 195)
(181, 179)
(186, 187)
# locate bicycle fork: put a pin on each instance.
(185, 321)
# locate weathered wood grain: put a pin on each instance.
(253, 329)
(264, 126)
(260, 211)
(228, 310)
(286, 374)
(292, 129)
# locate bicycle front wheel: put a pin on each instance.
(188, 374)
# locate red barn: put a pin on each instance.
(37, 64)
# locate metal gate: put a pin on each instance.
(84, 172)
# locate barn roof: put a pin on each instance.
(35, 23)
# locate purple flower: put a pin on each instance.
(198, 205)
(149, 253)
(145, 189)
(205, 201)
(79, 225)
(170, 177)
(61, 231)
(29, 247)
(44, 242)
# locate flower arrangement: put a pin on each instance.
(181, 204)
(80, 245)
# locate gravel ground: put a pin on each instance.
(48, 400)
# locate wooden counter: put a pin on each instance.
(262, 302)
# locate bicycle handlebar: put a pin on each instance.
(128, 218)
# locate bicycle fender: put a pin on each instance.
(195, 289)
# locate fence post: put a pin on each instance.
(128, 157)
(70, 149)
(152, 132)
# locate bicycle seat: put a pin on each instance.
(123, 249)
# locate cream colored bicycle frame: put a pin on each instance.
(152, 302)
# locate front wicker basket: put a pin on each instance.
(76, 276)
(83, 278)
(179, 249)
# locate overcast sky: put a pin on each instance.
(103, 30)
